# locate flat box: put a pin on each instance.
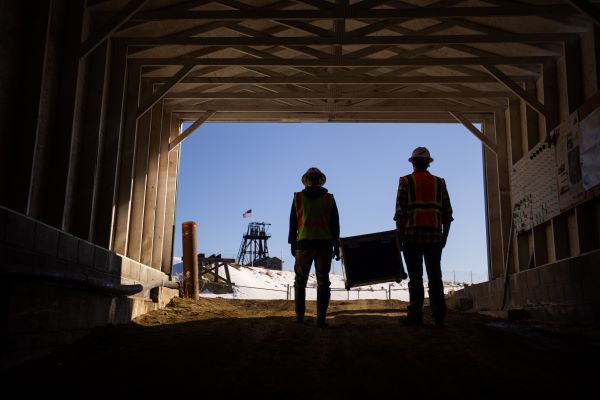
(372, 258)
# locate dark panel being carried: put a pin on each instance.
(372, 258)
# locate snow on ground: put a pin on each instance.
(266, 284)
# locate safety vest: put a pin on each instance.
(424, 207)
(313, 216)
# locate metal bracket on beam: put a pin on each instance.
(190, 129)
(480, 135)
(121, 18)
(516, 89)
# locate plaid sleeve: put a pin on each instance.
(401, 200)
(446, 206)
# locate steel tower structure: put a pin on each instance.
(254, 244)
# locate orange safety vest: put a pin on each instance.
(313, 216)
(424, 207)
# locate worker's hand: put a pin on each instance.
(293, 250)
(336, 252)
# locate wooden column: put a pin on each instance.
(493, 206)
(173, 171)
(161, 191)
(551, 95)
(86, 149)
(574, 72)
(532, 119)
(109, 143)
(150, 205)
(504, 169)
(21, 64)
(56, 112)
(125, 168)
(516, 153)
(138, 197)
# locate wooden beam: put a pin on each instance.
(273, 107)
(515, 88)
(326, 38)
(159, 94)
(338, 95)
(119, 19)
(344, 63)
(349, 13)
(338, 80)
(478, 134)
(190, 129)
(588, 9)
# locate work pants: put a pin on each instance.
(432, 254)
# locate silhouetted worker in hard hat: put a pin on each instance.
(423, 217)
(314, 237)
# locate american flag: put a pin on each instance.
(247, 214)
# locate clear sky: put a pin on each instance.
(228, 168)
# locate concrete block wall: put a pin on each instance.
(39, 314)
(563, 291)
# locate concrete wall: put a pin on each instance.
(563, 291)
(45, 303)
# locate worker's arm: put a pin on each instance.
(400, 215)
(446, 214)
(293, 234)
(334, 226)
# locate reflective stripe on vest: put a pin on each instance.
(313, 216)
(424, 207)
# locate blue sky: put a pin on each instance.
(228, 168)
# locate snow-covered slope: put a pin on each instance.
(260, 283)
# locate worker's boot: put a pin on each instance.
(299, 296)
(322, 304)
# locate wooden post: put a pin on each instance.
(190, 261)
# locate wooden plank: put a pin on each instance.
(150, 203)
(118, 20)
(492, 195)
(550, 82)
(516, 89)
(344, 63)
(338, 95)
(574, 73)
(532, 119)
(478, 134)
(110, 136)
(349, 13)
(269, 107)
(334, 79)
(84, 171)
(125, 172)
(504, 169)
(588, 9)
(172, 178)
(161, 191)
(190, 129)
(325, 38)
(140, 173)
(57, 110)
(155, 97)
(516, 135)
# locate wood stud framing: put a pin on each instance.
(302, 60)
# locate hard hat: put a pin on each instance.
(313, 176)
(420, 152)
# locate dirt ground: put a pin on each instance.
(246, 348)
